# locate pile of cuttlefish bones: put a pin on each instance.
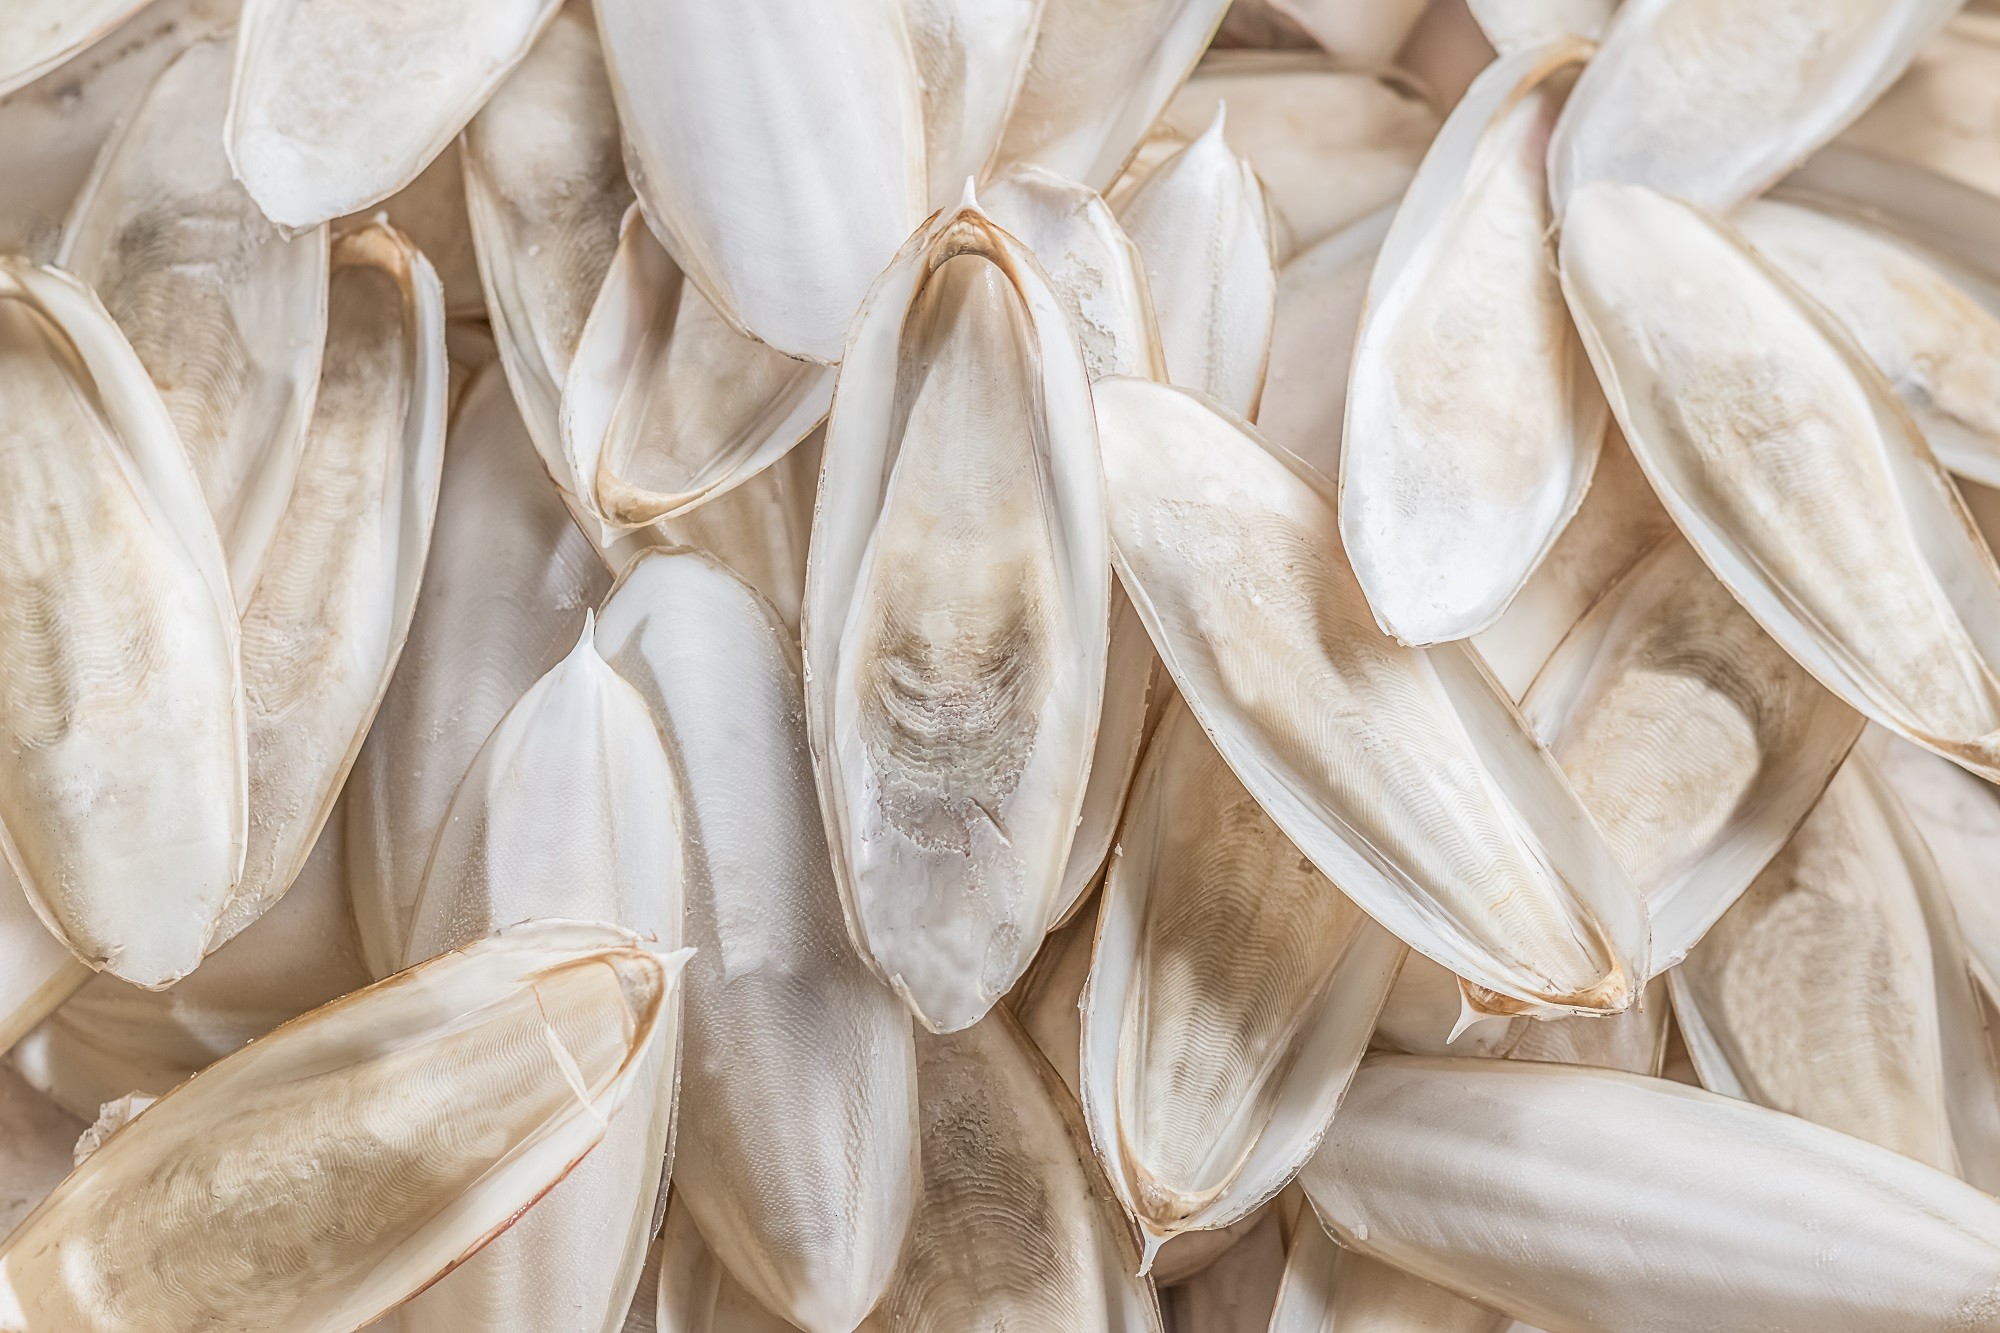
(999, 665)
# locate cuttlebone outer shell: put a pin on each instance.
(778, 151)
(227, 311)
(337, 104)
(504, 594)
(1473, 423)
(1929, 327)
(112, 1038)
(1232, 992)
(1330, 143)
(666, 406)
(1589, 1199)
(331, 609)
(1816, 993)
(1017, 1227)
(545, 188)
(1321, 293)
(1100, 72)
(51, 130)
(1202, 227)
(570, 806)
(1697, 743)
(1727, 382)
(797, 1142)
(329, 1171)
(956, 617)
(1404, 774)
(124, 793)
(1712, 100)
(36, 972)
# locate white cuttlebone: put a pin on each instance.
(1232, 991)
(695, 1291)
(1159, 145)
(1100, 72)
(1619, 521)
(643, 1317)
(51, 130)
(1860, 892)
(1696, 743)
(123, 791)
(949, 853)
(40, 35)
(337, 104)
(37, 1139)
(331, 608)
(1360, 1294)
(1097, 272)
(1016, 1228)
(1404, 774)
(1519, 25)
(545, 188)
(1358, 34)
(504, 595)
(1321, 293)
(1922, 325)
(1472, 421)
(1957, 818)
(1713, 100)
(1201, 226)
(665, 405)
(1331, 145)
(1940, 114)
(1589, 1199)
(1865, 565)
(971, 57)
(227, 312)
(759, 529)
(112, 1038)
(797, 1142)
(1100, 278)
(778, 152)
(37, 972)
(1816, 993)
(321, 1176)
(571, 807)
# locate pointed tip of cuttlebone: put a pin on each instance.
(1213, 134)
(968, 199)
(1152, 1243)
